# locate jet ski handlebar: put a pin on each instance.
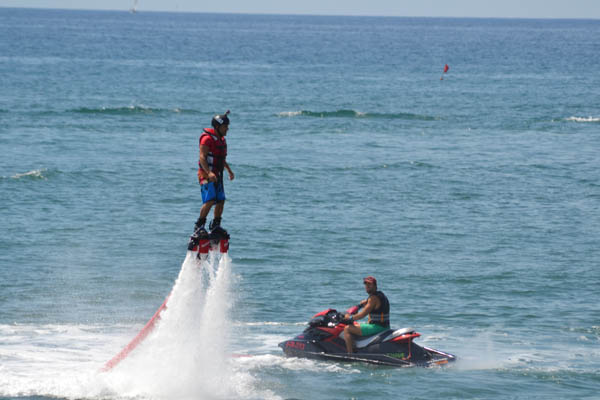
(354, 309)
(332, 317)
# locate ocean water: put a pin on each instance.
(474, 200)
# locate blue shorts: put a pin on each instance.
(212, 191)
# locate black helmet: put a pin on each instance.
(219, 120)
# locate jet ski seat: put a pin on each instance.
(364, 341)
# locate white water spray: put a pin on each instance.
(187, 354)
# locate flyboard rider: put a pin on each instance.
(212, 162)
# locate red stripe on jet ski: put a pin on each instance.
(407, 336)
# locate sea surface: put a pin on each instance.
(473, 199)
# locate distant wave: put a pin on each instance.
(131, 110)
(34, 174)
(583, 119)
(355, 114)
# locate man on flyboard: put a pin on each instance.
(211, 164)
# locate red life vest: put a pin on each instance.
(217, 153)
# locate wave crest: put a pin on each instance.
(130, 110)
(583, 119)
(34, 174)
(356, 114)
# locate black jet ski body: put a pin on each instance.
(323, 339)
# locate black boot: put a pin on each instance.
(216, 231)
(199, 233)
(215, 223)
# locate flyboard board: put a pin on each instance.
(205, 245)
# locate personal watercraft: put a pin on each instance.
(324, 339)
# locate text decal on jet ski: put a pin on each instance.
(295, 345)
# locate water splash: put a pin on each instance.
(188, 353)
(186, 356)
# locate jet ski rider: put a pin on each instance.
(376, 306)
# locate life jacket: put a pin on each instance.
(217, 152)
(381, 315)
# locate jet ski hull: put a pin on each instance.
(382, 354)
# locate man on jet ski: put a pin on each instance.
(376, 306)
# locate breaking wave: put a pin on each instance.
(583, 119)
(356, 114)
(33, 174)
(131, 110)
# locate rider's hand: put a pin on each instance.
(231, 175)
(212, 177)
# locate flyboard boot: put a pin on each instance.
(199, 241)
(218, 235)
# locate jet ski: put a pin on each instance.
(324, 339)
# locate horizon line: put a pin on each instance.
(128, 10)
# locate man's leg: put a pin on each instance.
(209, 197)
(219, 209)
(220, 205)
(199, 230)
(206, 209)
(208, 200)
(348, 332)
(215, 225)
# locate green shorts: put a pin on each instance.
(371, 329)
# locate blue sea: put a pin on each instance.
(473, 199)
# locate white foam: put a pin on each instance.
(584, 119)
(55, 360)
(265, 361)
(36, 173)
(289, 113)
